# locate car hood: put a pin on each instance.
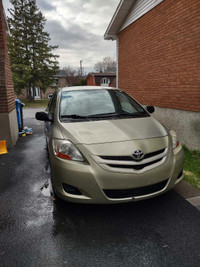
(106, 131)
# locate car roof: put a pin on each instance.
(70, 88)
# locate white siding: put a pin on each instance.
(140, 8)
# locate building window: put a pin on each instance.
(37, 93)
(105, 82)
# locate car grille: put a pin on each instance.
(128, 164)
(128, 158)
(135, 192)
(135, 167)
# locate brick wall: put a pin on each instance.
(7, 96)
(159, 56)
(62, 82)
(49, 91)
(90, 80)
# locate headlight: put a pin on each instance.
(174, 138)
(66, 150)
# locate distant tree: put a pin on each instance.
(106, 65)
(32, 62)
(73, 76)
(83, 82)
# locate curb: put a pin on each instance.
(195, 201)
(189, 192)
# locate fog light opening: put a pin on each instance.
(180, 174)
(71, 190)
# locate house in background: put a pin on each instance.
(101, 79)
(61, 78)
(61, 81)
(158, 52)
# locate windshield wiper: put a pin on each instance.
(103, 115)
(136, 114)
(76, 116)
(115, 114)
(73, 116)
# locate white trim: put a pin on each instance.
(6, 21)
(120, 14)
(139, 9)
(127, 12)
(105, 81)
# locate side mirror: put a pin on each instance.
(150, 109)
(42, 116)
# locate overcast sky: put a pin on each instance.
(78, 26)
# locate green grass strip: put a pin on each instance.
(192, 167)
(36, 104)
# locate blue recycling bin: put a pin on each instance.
(19, 106)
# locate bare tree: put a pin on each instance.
(106, 65)
(73, 75)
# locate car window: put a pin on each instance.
(100, 103)
(127, 104)
(86, 102)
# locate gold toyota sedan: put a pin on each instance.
(104, 147)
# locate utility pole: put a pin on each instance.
(81, 67)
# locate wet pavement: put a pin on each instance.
(36, 230)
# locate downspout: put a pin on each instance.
(117, 59)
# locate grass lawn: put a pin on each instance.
(192, 167)
(36, 104)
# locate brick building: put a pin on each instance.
(8, 119)
(61, 81)
(158, 48)
(101, 79)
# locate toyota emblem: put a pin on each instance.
(138, 154)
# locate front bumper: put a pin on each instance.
(98, 185)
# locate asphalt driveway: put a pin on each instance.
(35, 230)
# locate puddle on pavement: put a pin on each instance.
(46, 189)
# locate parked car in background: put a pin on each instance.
(104, 147)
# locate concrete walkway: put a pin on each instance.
(189, 192)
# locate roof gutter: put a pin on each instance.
(118, 19)
(6, 22)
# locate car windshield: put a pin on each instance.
(98, 104)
